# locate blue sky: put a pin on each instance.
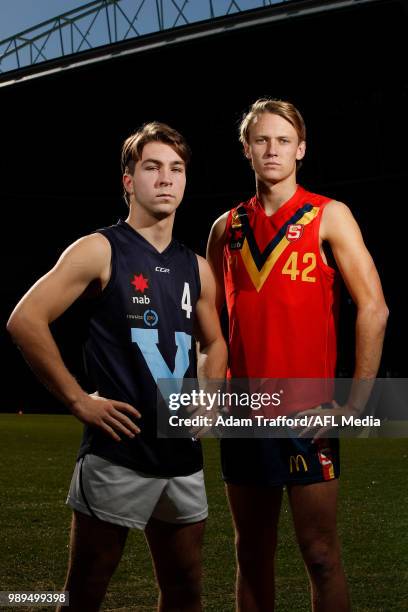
(92, 30)
(18, 15)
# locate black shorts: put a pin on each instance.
(279, 461)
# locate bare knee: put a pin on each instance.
(253, 554)
(181, 586)
(247, 553)
(322, 559)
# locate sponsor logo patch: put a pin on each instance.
(140, 300)
(237, 238)
(325, 456)
(294, 232)
(140, 283)
(150, 317)
(165, 270)
(296, 463)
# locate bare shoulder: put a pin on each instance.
(219, 224)
(89, 255)
(203, 266)
(336, 209)
(336, 218)
(216, 239)
(206, 275)
(83, 262)
(94, 244)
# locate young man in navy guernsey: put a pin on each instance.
(269, 255)
(151, 296)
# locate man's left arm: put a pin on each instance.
(356, 266)
(212, 350)
(212, 358)
(360, 275)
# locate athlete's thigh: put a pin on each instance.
(175, 548)
(95, 542)
(314, 510)
(255, 511)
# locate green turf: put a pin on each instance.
(37, 455)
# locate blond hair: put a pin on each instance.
(277, 107)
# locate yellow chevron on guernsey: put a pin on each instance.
(259, 277)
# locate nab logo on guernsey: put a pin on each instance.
(141, 300)
(159, 269)
(140, 283)
(297, 463)
(150, 318)
(294, 232)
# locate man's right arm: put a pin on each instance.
(85, 261)
(215, 253)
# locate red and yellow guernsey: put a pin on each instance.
(281, 297)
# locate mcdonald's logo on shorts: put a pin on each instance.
(297, 462)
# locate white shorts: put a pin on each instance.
(119, 495)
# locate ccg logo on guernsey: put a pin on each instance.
(140, 283)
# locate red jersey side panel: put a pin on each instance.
(281, 296)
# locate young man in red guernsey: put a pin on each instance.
(269, 258)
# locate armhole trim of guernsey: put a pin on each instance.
(228, 224)
(325, 267)
(112, 279)
(225, 237)
(197, 274)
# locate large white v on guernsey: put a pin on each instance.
(147, 341)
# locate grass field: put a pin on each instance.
(37, 456)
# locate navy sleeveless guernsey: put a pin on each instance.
(141, 330)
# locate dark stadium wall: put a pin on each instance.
(61, 138)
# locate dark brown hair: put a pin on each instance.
(151, 132)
